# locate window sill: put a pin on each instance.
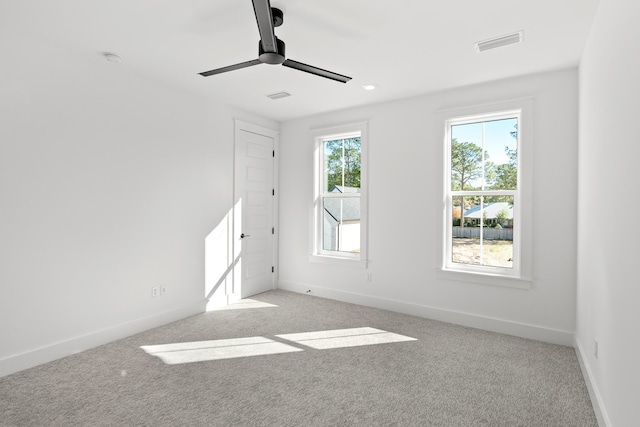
(485, 278)
(334, 260)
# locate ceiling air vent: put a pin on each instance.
(279, 95)
(500, 41)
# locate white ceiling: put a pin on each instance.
(407, 47)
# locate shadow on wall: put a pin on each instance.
(223, 261)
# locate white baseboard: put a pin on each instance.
(594, 392)
(554, 336)
(48, 353)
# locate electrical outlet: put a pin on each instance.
(155, 291)
(163, 291)
(595, 349)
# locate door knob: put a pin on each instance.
(242, 236)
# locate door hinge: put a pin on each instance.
(273, 230)
(273, 191)
(274, 153)
(273, 269)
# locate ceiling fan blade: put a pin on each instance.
(262, 9)
(315, 70)
(231, 68)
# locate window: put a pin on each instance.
(487, 226)
(339, 217)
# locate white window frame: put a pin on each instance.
(316, 252)
(520, 275)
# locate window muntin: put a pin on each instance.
(482, 194)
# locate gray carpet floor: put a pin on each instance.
(447, 375)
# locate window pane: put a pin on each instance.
(465, 245)
(341, 224)
(497, 232)
(342, 161)
(501, 154)
(484, 155)
(466, 156)
(482, 231)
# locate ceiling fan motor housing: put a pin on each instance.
(278, 16)
(273, 58)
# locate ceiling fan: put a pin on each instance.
(271, 49)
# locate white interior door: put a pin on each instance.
(253, 211)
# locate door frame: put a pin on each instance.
(240, 125)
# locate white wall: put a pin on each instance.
(109, 185)
(403, 172)
(608, 285)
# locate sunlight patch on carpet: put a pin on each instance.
(341, 338)
(202, 351)
(245, 304)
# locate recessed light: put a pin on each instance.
(112, 57)
(370, 87)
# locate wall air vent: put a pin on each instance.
(279, 95)
(500, 41)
